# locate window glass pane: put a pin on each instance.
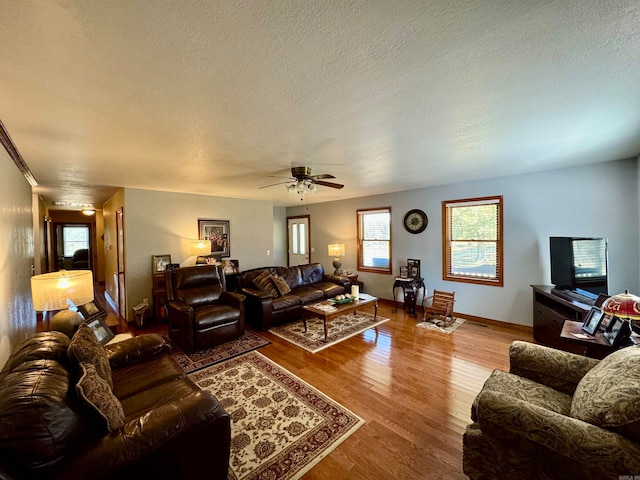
(476, 259)
(303, 240)
(75, 238)
(376, 226)
(474, 223)
(376, 254)
(294, 238)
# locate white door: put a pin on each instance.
(298, 240)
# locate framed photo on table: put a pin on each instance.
(404, 272)
(592, 321)
(159, 263)
(414, 267)
(217, 233)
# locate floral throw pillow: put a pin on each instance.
(84, 347)
(96, 394)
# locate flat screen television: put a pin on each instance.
(579, 264)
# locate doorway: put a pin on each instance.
(122, 296)
(298, 240)
(72, 246)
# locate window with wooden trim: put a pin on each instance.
(374, 240)
(472, 243)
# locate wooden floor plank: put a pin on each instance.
(413, 387)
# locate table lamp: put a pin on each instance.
(625, 306)
(59, 291)
(336, 250)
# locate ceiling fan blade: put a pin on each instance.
(321, 176)
(274, 184)
(328, 184)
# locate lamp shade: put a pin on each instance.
(623, 305)
(56, 290)
(336, 250)
(200, 247)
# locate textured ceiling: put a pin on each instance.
(220, 98)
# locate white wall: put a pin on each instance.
(158, 223)
(279, 254)
(17, 317)
(595, 200)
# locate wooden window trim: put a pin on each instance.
(360, 267)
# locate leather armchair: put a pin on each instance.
(201, 312)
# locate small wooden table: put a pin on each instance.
(340, 309)
(594, 346)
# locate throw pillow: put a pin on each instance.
(264, 281)
(609, 394)
(84, 347)
(281, 285)
(97, 395)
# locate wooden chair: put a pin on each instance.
(439, 305)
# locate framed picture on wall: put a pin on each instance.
(217, 233)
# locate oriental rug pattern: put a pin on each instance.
(190, 362)
(339, 329)
(439, 325)
(280, 425)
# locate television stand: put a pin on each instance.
(575, 295)
(550, 311)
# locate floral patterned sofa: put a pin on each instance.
(557, 415)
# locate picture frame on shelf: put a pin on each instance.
(404, 272)
(159, 263)
(230, 267)
(414, 267)
(91, 309)
(618, 331)
(217, 233)
(592, 321)
(100, 329)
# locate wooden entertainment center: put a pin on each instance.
(550, 311)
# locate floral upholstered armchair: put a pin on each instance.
(557, 415)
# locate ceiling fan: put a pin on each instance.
(302, 181)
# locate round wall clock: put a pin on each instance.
(415, 221)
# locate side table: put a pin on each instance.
(594, 346)
(411, 288)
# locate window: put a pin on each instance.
(472, 240)
(74, 238)
(374, 240)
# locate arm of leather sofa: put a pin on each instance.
(559, 370)
(510, 420)
(135, 349)
(194, 429)
(341, 280)
(258, 307)
(233, 299)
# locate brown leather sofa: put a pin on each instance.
(307, 284)
(171, 428)
(201, 312)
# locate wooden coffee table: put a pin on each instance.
(316, 310)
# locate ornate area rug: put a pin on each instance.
(339, 329)
(190, 362)
(438, 325)
(280, 426)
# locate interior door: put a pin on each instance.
(298, 240)
(122, 298)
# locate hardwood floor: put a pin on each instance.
(413, 387)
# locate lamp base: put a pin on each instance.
(66, 321)
(337, 264)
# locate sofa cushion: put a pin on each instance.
(97, 395)
(50, 345)
(214, 316)
(608, 395)
(264, 281)
(286, 301)
(85, 347)
(527, 390)
(308, 294)
(143, 375)
(329, 289)
(281, 285)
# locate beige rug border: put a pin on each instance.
(335, 342)
(360, 421)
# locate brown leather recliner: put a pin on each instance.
(201, 312)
